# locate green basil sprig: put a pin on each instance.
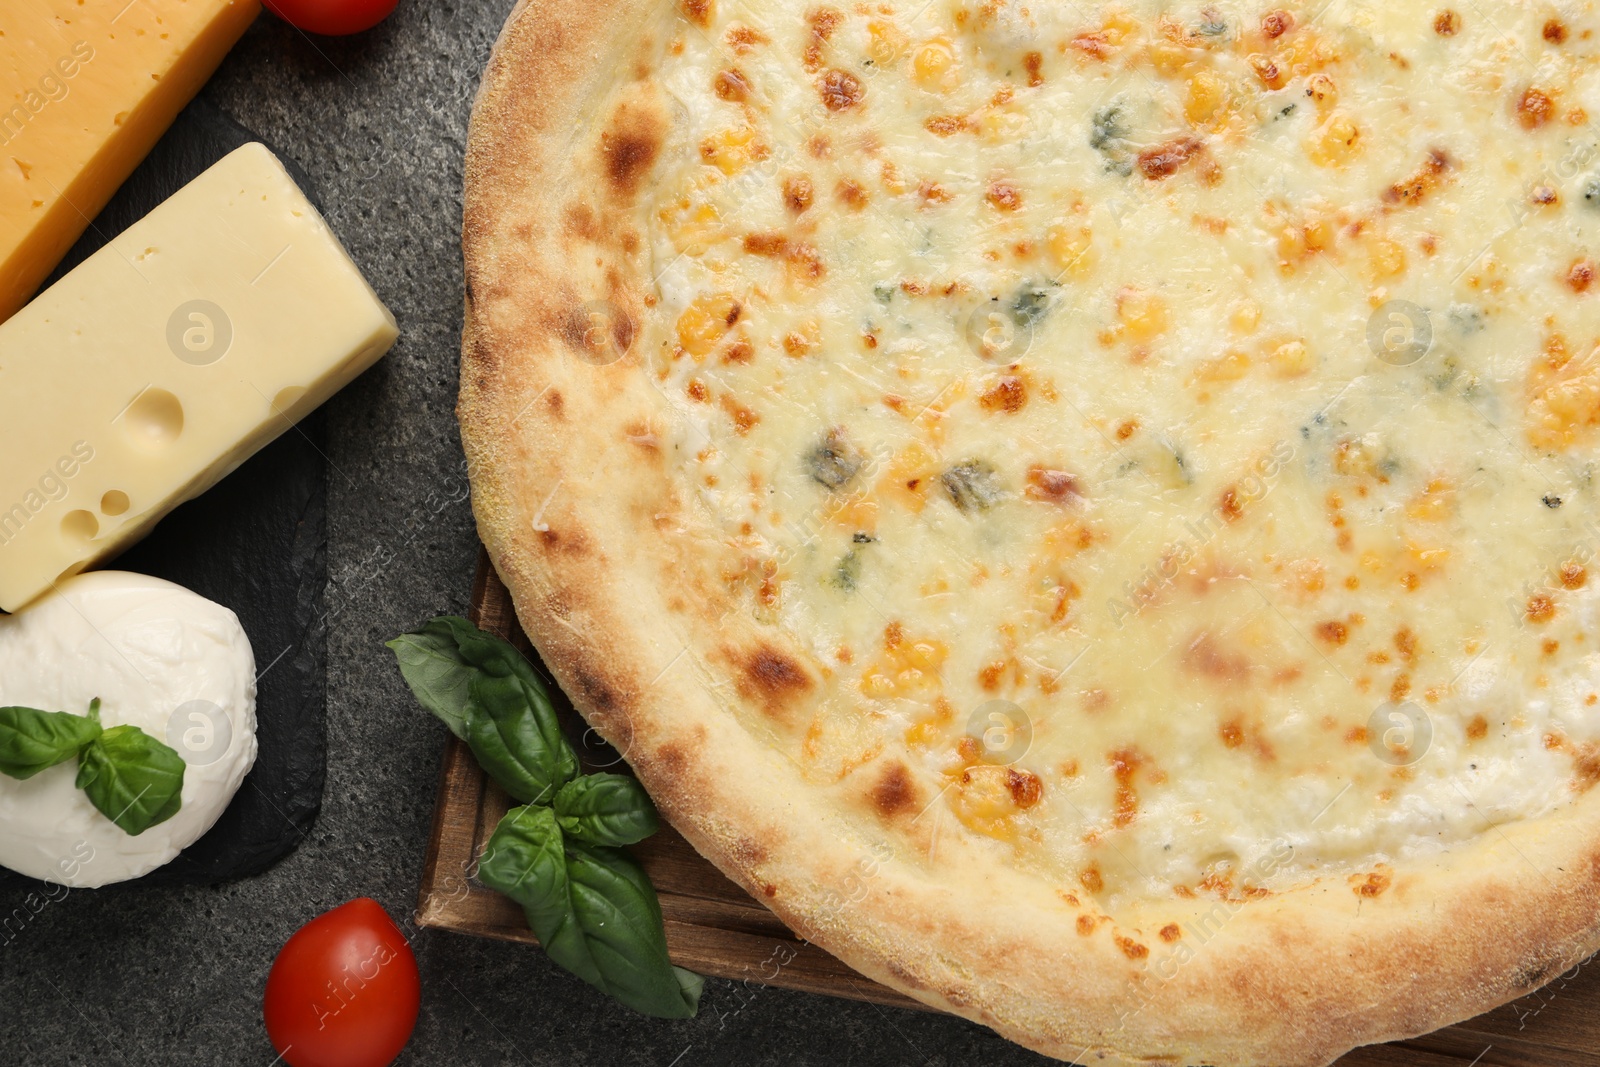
(130, 777)
(606, 809)
(590, 904)
(33, 741)
(592, 908)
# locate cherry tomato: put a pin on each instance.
(344, 990)
(332, 18)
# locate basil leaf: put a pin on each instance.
(133, 779)
(593, 910)
(433, 666)
(606, 809)
(524, 858)
(614, 938)
(440, 660)
(32, 741)
(513, 731)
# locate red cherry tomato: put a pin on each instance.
(344, 990)
(332, 18)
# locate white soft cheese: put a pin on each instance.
(158, 657)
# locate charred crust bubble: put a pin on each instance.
(630, 149)
(834, 460)
(773, 677)
(894, 791)
(598, 694)
(973, 485)
(1534, 974)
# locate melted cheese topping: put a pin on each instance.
(1171, 426)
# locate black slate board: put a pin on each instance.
(255, 543)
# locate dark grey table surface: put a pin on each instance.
(170, 977)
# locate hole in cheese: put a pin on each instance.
(154, 419)
(79, 526)
(115, 502)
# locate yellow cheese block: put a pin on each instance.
(86, 88)
(166, 360)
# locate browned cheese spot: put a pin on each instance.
(1267, 69)
(823, 22)
(946, 125)
(1415, 188)
(841, 90)
(1125, 764)
(850, 194)
(731, 85)
(1130, 948)
(1373, 885)
(1232, 733)
(744, 419)
(1024, 786)
(1333, 632)
(1541, 608)
(1163, 160)
(1534, 108)
(1050, 485)
(1447, 23)
(1004, 195)
(766, 244)
(698, 12)
(1405, 642)
(1009, 394)
(1581, 275)
(1231, 506)
(1275, 24)
(1555, 31)
(1171, 932)
(1033, 63)
(797, 193)
(1573, 575)
(1478, 728)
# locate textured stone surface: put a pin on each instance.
(174, 976)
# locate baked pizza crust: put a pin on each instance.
(572, 498)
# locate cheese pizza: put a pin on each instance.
(1085, 510)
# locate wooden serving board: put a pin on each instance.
(715, 928)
